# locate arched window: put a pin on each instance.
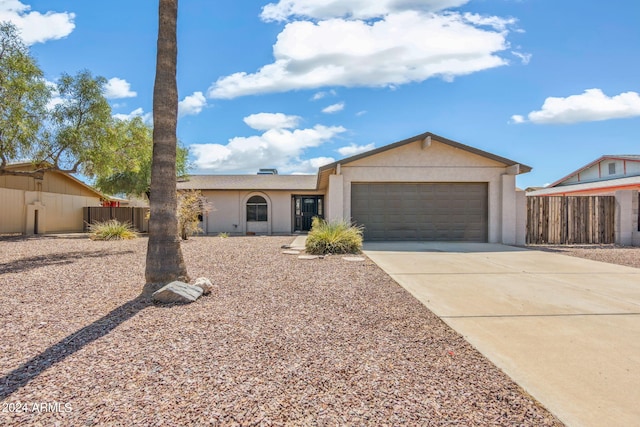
(256, 209)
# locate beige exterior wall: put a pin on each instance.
(335, 199)
(56, 213)
(635, 201)
(12, 211)
(437, 163)
(52, 204)
(627, 218)
(229, 212)
(521, 218)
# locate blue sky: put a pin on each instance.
(293, 84)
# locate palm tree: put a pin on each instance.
(164, 256)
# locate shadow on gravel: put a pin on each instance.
(64, 348)
(22, 237)
(30, 263)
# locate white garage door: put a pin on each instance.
(421, 211)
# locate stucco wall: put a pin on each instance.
(229, 211)
(57, 213)
(438, 163)
(627, 218)
(12, 211)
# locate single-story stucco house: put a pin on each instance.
(49, 203)
(422, 188)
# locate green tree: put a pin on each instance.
(82, 135)
(164, 256)
(23, 97)
(67, 128)
(134, 179)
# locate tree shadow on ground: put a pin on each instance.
(64, 348)
(31, 263)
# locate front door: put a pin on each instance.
(305, 208)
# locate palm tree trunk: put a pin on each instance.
(164, 256)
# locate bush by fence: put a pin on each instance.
(137, 217)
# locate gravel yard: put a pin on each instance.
(281, 341)
(621, 255)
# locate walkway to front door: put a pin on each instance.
(305, 208)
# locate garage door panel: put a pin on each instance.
(424, 211)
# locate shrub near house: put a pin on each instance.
(335, 237)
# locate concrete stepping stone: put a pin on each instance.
(291, 252)
(308, 257)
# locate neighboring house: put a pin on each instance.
(602, 177)
(610, 175)
(423, 188)
(51, 203)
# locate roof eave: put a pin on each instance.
(523, 168)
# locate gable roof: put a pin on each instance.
(314, 182)
(249, 182)
(632, 157)
(423, 136)
(29, 165)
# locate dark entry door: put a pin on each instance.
(305, 208)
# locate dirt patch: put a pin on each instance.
(280, 341)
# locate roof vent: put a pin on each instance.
(268, 172)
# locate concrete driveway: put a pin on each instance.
(565, 329)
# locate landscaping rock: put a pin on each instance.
(204, 284)
(177, 292)
(353, 258)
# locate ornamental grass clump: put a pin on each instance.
(334, 237)
(112, 230)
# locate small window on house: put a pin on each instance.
(612, 168)
(256, 209)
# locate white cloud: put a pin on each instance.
(398, 49)
(192, 105)
(356, 9)
(307, 167)
(117, 88)
(277, 147)
(495, 22)
(525, 58)
(353, 149)
(361, 113)
(590, 106)
(55, 95)
(333, 108)
(266, 121)
(138, 112)
(36, 27)
(323, 94)
(517, 118)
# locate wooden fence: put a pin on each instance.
(134, 216)
(570, 219)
